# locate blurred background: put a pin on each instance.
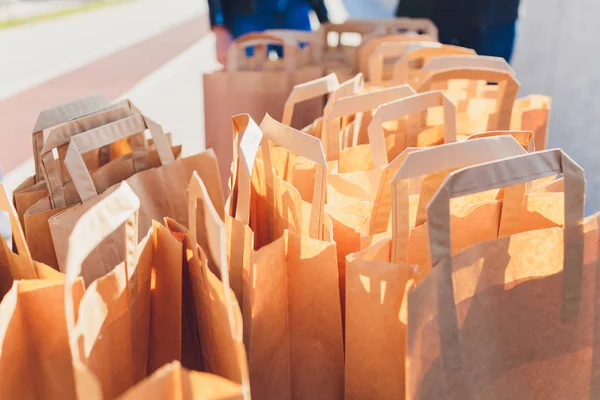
(155, 51)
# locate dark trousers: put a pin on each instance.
(497, 41)
(267, 16)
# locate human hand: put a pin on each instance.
(224, 39)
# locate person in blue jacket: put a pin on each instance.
(231, 19)
(486, 26)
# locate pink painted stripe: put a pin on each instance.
(112, 76)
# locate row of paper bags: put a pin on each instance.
(313, 327)
(388, 53)
(406, 265)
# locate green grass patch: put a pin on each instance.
(95, 5)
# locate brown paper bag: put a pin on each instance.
(26, 194)
(518, 211)
(128, 322)
(317, 88)
(480, 100)
(417, 132)
(376, 276)
(532, 113)
(61, 114)
(54, 170)
(477, 115)
(311, 364)
(470, 88)
(157, 188)
(195, 294)
(35, 359)
(276, 208)
(212, 325)
(353, 106)
(218, 317)
(61, 195)
(375, 333)
(173, 382)
(527, 140)
(409, 67)
(349, 87)
(19, 266)
(339, 54)
(57, 139)
(528, 113)
(441, 62)
(93, 159)
(379, 67)
(276, 205)
(348, 214)
(237, 215)
(515, 312)
(295, 347)
(357, 175)
(343, 41)
(310, 43)
(255, 86)
(524, 138)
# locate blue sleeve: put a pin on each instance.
(216, 12)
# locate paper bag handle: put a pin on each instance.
(467, 61)
(368, 101)
(387, 50)
(401, 67)
(524, 138)
(249, 141)
(365, 26)
(350, 105)
(348, 88)
(106, 135)
(376, 60)
(497, 174)
(18, 237)
(264, 36)
(430, 160)
(58, 115)
(509, 85)
(259, 39)
(306, 91)
(62, 134)
(312, 39)
(294, 35)
(349, 26)
(118, 208)
(433, 159)
(400, 108)
(512, 203)
(502, 173)
(309, 147)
